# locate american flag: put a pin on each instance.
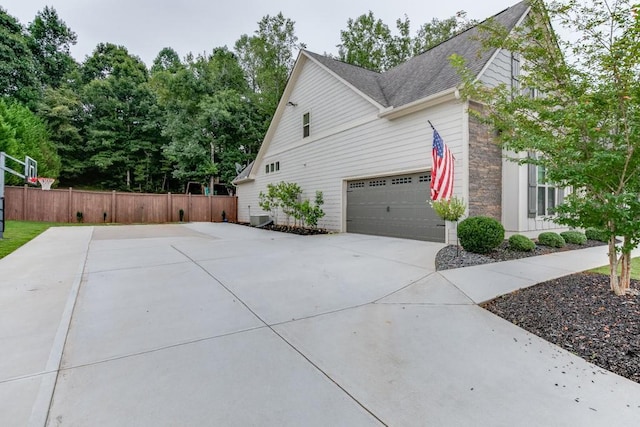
(441, 170)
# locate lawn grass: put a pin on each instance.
(17, 233)
(635, 269)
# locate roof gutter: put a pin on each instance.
(421, 104)
(242, 181)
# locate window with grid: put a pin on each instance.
(543, 196)
(515, 74)
(546, 194)
(305, 125)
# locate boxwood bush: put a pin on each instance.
(595, 234)
(552, 239)
(574, 237)
(521, 243)
(480, 234)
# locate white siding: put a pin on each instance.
(499, 70)
(371, 147)
(330, 103)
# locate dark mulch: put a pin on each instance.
(582, 315)
(579, 312)
(456, 257)
(304, 231)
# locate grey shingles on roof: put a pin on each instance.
(244, 174)
(427, 73)
(422, 75)
(364, 80)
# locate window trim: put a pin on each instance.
(547, 189)
(534, 187)
(306, 125)
(516, 65)
(272, 167)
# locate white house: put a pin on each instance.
(363, 139)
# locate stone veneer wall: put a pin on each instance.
(485, 169)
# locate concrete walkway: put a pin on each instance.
(218, 324)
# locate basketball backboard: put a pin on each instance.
(30, 170)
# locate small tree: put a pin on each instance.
(311, 214)
(289, 194)
(270, 201)
(584, 128)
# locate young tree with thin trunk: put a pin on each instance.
(575, 108)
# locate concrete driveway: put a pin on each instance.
(220, 324)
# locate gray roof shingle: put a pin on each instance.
(422, 75)
(244, 174)
(427, 73)
(364, 80)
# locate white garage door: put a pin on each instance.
(394, 206)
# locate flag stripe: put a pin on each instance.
(441, 170)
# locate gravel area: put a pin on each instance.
(456, 257)
(578, 312)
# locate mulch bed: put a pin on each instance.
(456, 257)
(581, 314)
(578, 312)
(303, 231)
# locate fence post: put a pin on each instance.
(113, 206)
(188, 215)
(210, 207)
(169, 207)
(70, 207)
(24, 202)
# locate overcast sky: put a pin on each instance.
(144, 27)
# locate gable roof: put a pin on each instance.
(427, 73)
(244, 174)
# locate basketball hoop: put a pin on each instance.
(46, 183)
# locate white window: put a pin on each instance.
(547, 194)
(544, 196)
(305, 125)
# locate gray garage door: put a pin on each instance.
(394, 206)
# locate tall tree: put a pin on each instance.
(437, 30)
(369, 43)
(27, 135)
(117, 101)
(166, 60)
(18, 76)
(61, 110)
(50, 42)
(584, 130)
(267, 58)
(210, 121)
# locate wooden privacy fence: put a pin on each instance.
(34, 204)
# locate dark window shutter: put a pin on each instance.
(532, 190)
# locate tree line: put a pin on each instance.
(110, 122)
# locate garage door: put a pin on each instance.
(394, 206)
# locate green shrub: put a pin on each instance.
(480, 234)
(595, 234)
(552, 239)
(574, 237)
(449, 210)
(521, 243)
